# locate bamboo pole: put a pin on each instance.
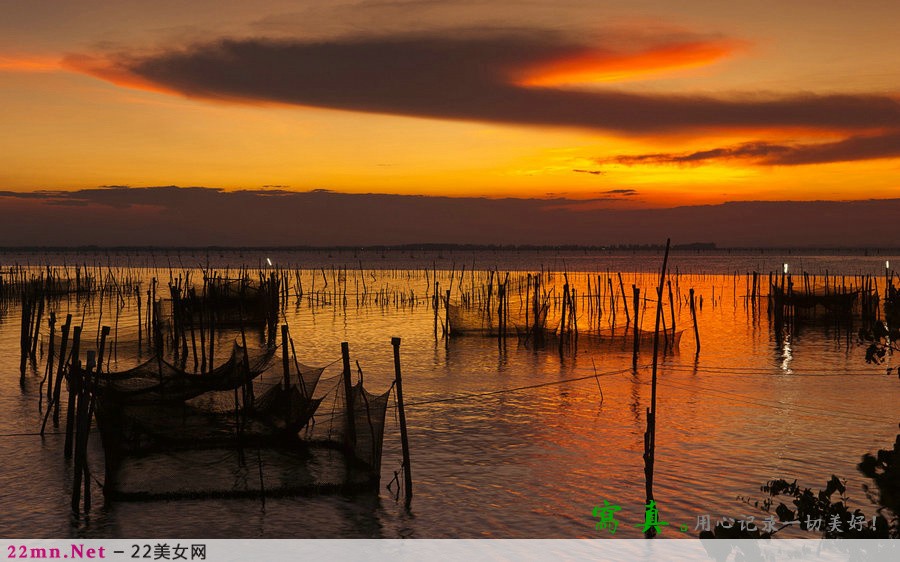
(694, 318)
(74, 389)
(77, 389)
(637, 335)
(91, 393)
(447, 317)
(57, 386)
(50, 351)
(350, 444)
(650, 436)
(284, 357)
(404, 438)
(625, 301)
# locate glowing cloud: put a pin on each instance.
(592, 66)
(10, 63)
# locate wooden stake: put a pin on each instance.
(434, 303)
(50, 351)
(76, 382)
(284, 357)
(694, 318)
(404, 438)
(348, 397)
(625, 301)
(650, 437)
(91, 394)
(57, 386)
(74, 389)
(447, 316)
(637, 335)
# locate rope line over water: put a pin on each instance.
(775, 371)
(520, 388)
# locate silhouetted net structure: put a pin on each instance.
(477, 321)
(237, 430)
(483, 321)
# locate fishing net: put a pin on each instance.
(481, 321)
(186, 408)
(237, 430)
(364, 438)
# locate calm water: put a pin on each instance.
(501, 462)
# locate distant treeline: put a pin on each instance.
(440, 247)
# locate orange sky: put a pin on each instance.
(106, 93)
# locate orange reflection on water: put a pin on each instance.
(518, 441)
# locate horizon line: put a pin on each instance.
(441, 246)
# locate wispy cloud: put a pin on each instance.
(854, 148)
(28, 63)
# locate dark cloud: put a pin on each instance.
(592, 172)
(625, 192)
(39, 194)
(67, 202)
(468, 76)
(753, 150)
(771, 154)
(173, 216)
(853, 148)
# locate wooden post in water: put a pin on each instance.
(57, 386)
(434, 303)
(284, 357)
(50, 350)
(249, 396)
(694, 318)
(25, 330)
(625, 301)
(562, 320)
(93, 382)
(182, 318)
(348, 398)
(77, 389)
(650, 436)
(637, 335)
(404, 438)
(37, 326)
(149, 322)
(190, 315)
(285, 364)
(500, 315)
(137, 297)
(671, 308)
(612, 302)
(527, 302)
(151, 306)
(447, 316)
(74, 389)
(202, 329)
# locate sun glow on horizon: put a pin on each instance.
(490, 120)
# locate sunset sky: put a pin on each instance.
(630, 105)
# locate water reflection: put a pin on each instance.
(786, 355)
(521, 464)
